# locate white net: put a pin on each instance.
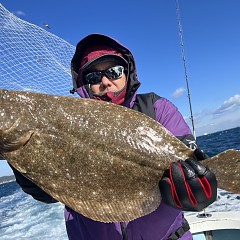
(33, 59)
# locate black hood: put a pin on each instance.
(93, 39)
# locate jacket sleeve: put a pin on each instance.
(168, 115)
(31, 188)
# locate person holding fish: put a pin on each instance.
(105, 70)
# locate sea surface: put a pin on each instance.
(21, 217)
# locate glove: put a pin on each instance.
(188, 185)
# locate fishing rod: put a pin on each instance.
(185, 65)
(186, 77)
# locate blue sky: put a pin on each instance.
(211, 36)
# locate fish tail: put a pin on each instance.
(226, 166)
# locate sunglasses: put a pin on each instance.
(111, 73)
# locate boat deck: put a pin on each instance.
(215, 226)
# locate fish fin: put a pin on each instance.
(11, 140)
(226, 167)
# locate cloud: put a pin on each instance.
(218, 126)
(231, 104)
(19, 13)
(224, 117)
(179, 92)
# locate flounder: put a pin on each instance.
(100, 159)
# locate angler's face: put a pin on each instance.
(106, 84)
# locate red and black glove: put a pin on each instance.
(188, 185)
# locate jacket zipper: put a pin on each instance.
(124, 230)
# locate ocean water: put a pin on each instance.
(23, 218)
